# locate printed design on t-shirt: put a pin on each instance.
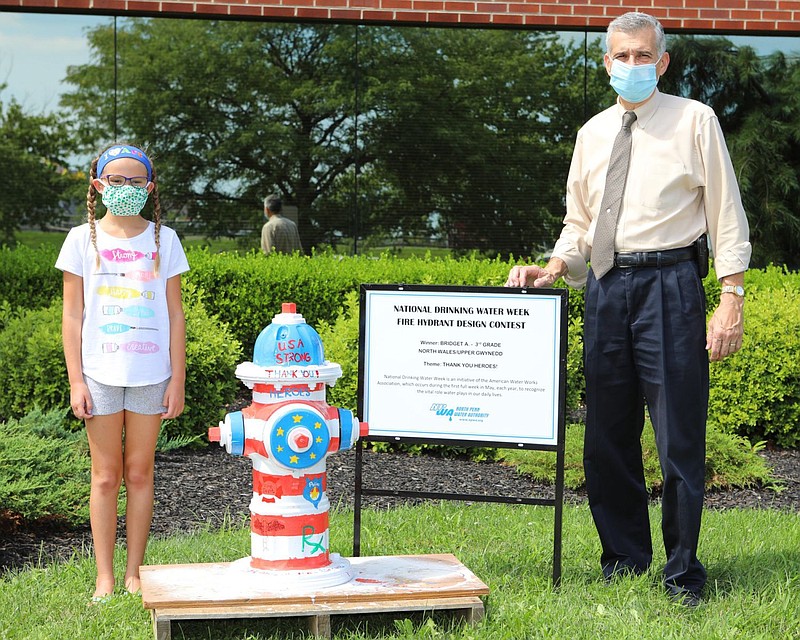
(117, 327)
(125, 292)
(123, 269)
(134, 346)
(141, 276)
(134, 311)
(126, 255)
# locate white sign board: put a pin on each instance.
(468, 364)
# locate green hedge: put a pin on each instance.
(248, 289)
(34, 373)
(753, 394)
(756, 393)
(28, 280)
(731, 461)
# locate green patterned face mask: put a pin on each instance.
(125, 200)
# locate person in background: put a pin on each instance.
(124, 341)
(645, 331)
(279, 234)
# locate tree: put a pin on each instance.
(407, 131)
(36, 186)
(756, 101)
(232, 111)
(476, 132)
(366, 130)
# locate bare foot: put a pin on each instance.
(103, 590)
(133, 584)
(103, 586)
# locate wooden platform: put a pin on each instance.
(381, 584)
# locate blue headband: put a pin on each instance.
(124, 151)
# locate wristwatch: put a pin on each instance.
(734, 289)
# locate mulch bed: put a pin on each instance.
(197, 489)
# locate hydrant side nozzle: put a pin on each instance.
(214, 434)
(350, 429)
(236, 422)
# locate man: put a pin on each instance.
(645, 334)
(279, 234)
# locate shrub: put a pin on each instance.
(730, 461)
(340, 340)
(33, 370)
(44, 469)
(212, 354)
(756, 392)
(34, 373)
(249, 289)
(28, 279)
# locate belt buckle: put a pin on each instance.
(627, 260)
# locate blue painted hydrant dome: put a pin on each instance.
(288, 342)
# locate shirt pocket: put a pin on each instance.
(660, 186)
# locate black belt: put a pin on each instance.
(655, 258)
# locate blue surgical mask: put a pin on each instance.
(633, 82)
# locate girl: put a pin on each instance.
(124, 345)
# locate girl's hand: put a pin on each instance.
(174, 398)
(80, 400)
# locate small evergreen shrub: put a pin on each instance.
(34, 372)
(212, 354)
(730, 461)
(28, 279)
(340, 341)
(756, 392)
(44, 469)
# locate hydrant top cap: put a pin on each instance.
(288, 342)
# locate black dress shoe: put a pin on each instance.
(682, 595)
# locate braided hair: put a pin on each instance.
(91, 203)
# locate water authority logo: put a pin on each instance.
(441, 409)
(462, 414)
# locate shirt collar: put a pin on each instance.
(644, 112)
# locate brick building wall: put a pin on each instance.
(755, 17)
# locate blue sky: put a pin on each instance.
(36, 49)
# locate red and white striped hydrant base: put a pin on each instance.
(337, 571)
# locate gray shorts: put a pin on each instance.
(107, 400)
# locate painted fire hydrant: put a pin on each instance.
(288, 432)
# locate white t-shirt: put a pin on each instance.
(125, 333)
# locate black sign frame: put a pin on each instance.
(561, 296)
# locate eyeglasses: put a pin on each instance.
(117, 181)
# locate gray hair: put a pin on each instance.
(273, 203)
(632, 22)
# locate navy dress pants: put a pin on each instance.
(644, 342)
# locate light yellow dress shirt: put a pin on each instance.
(680, 184)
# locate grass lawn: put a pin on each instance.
(752, 557)
(35, 239)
